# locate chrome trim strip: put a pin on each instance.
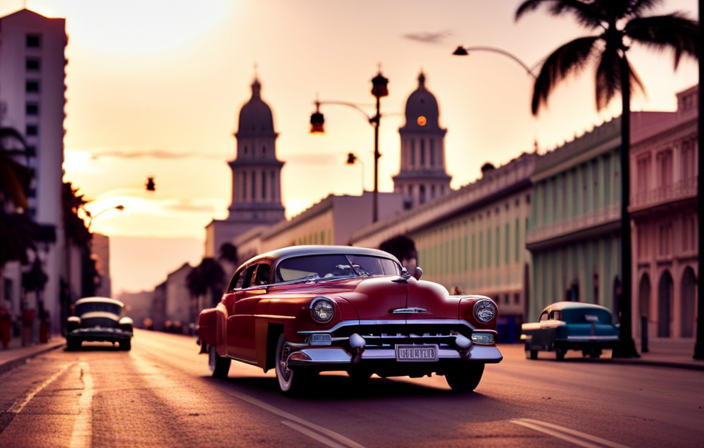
(592, 338)
(349, 323)
(411, 310)
(273, 316)
(334, 355)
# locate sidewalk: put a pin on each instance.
(17, 355)
(666, 352)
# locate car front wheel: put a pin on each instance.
(73, 344)
(219, 365)
(126, 345)
(290, 381)
(465, 377)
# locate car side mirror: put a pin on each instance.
(417, 273)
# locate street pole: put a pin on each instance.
(699, 345)
(375, 200)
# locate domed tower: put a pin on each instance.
(422, 176)
(256, 176)
(256, 172)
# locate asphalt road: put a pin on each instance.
(161, 394)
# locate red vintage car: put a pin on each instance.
(306, 309)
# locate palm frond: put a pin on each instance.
(569, 58)
(669, 32)
(608, 76)
(14, 181)
(638, 7)
(586, 13)
(635, 82)
(528, 6)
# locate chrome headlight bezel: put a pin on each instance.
(480, 310)
(325, 305)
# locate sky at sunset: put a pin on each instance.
(155, 88)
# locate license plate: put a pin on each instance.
(416, 353)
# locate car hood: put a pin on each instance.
(393, 298)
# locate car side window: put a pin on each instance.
(236, 281)
(556, 315)
(263, 272)
(249, 276)
(543, 317)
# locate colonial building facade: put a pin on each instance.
(422, 176)
(664, 158)
(256, 176)
(574, 222)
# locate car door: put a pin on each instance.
(241, 322)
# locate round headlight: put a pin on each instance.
(322, 310)
(484, 310)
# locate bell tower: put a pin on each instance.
(422, 176)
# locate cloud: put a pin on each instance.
(434, 38)
(188, 206)
(155, 154)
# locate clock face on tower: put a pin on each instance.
(422, 120)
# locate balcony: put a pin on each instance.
(593, 218)
(683, 189)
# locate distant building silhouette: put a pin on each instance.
(422, 177)
(256, 176)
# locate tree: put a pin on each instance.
(403, 248)
(620, 24)
(207, 277)
(17, 230)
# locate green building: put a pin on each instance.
(574, 225)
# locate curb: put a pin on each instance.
(14, 363)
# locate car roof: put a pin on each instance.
(99, 300)
(574, 305)
(298, 251)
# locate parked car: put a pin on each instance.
(306, 309)
(98, 319)
(571, 326)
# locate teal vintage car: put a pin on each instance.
(571, 326)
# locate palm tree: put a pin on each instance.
(17, 230)
(207, 277)
(619, 24)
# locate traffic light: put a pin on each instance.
(151, 186)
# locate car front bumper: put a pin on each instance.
(99, 334)
(325, 356)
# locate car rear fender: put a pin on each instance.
(212, 328)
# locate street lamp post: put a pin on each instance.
(465, 51)
(317, 122)
(91, 217)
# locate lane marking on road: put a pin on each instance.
(81, 435)
(313, 435)
(566, 434)
(18, 405)
(267, 407)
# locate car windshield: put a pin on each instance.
(577, 315)
(105, 307)
(315, 267)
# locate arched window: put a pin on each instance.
(254, 185)
(432, 152)
(273, 186)
(244, 185)
(263, 186)
(263, 151)
(421, 198)
(413, 153)
(422, 152)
